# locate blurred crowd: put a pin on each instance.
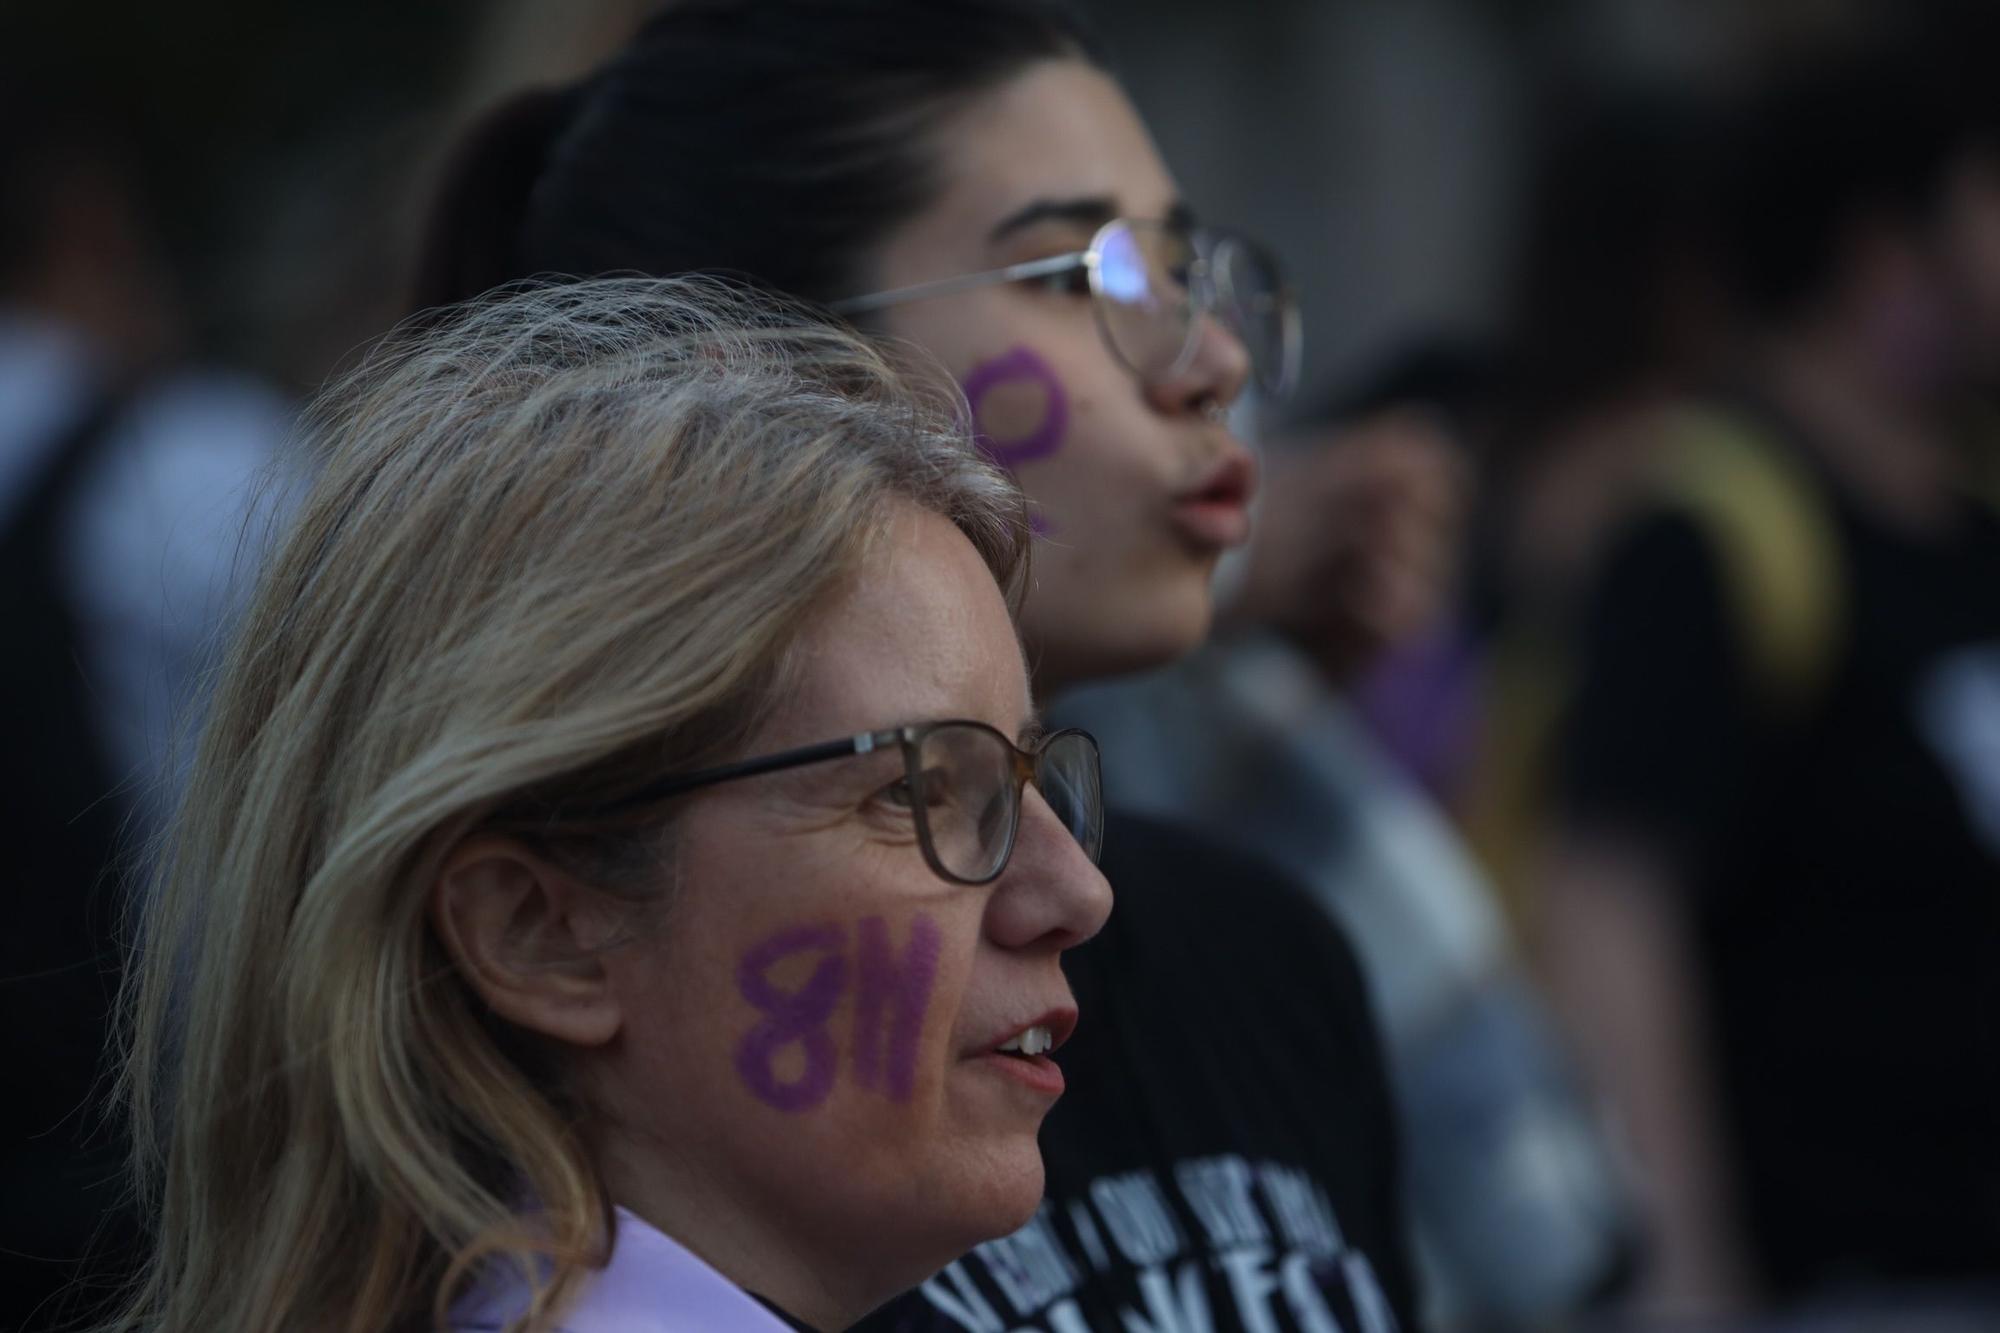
(1622, 671)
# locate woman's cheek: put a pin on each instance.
(1020, 413)
(832, 1004)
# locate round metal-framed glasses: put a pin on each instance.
(1151, 283)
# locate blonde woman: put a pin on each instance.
(624, 881)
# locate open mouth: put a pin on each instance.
(1228, 484)
(1033, 1041)
(1216, 514)
(1038, 1036)
(1023, 1055)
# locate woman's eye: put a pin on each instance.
(1069, 282)
(901, 795)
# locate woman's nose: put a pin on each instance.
(1050, 895)
(1215, 374)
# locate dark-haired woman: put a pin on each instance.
(965, 175)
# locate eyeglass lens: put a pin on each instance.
(1150, 285)
(1144, 302)
(971, 803)
(1251, 301)
(1071, 781)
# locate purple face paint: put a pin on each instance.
(897, 990)
(792, 1017)
(1017, 367)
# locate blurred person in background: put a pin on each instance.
(1396, 507)
(124, 476)
(1774, 901)
(1961, 55)
(966, 176)
(1615, 317)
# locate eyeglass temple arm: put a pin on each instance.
(768, 763)
(964, 282)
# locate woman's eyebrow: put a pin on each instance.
(1092, 211)
(1031, 731)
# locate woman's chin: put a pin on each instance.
(1001, 1201)
(1023, 1196)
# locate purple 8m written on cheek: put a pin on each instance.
(892, 997)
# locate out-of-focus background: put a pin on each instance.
(278, 157)
(1386, 147)
(1650, 368)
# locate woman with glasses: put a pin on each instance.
(965, 176)
(623, 881)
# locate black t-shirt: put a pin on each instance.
(1842, 851)
(1224, 1157)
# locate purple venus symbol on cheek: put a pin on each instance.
(900, 989)
(792, 1017)
(1027, 440)
(1007, 441)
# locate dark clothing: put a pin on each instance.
(60, 1172)
(1224, 1157)
(1842, 850)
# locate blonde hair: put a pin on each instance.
(557, 544)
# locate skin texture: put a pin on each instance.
(807, 943)
(1119, 585)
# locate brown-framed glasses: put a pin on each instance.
(963, 782)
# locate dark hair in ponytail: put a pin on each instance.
(776, 140)
(474, 230)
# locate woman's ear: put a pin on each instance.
(527, 937)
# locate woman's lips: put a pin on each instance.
(1036, 1071)
(1214, 514)
(1213, 524)
(1021, 1053)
